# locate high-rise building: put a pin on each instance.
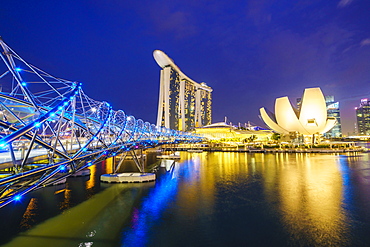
(183, 103)
(363, 117)
(333, 110)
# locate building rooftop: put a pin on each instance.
(218, 125)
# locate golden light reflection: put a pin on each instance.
(59, 191)
(28, 216)
(108, 165)
(66, 204)
(209, 167)
(189, 197)
(90, 183)
(309, 190)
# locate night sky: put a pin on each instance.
(249, 52)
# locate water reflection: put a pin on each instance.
(214, 199)
(96, 221)
(152, 206)
(28, 216)
(255, 199)
(309, 191)
(356, 176)
(168, 164)
(306, 188)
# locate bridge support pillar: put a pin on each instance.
(129, 177)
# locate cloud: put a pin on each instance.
(258, 12)
(344, 3)
(178, 23)
(365, 42)
(170, 19)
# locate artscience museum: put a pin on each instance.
(309, 119)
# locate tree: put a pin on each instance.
(251, 138)
(276, 136)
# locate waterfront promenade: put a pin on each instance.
(261, 149)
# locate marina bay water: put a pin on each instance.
(205, 199)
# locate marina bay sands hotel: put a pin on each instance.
(183, 103)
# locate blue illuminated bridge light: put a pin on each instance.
(17, 198)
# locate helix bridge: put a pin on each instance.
(50, 129)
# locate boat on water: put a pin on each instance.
(175, 155)
(128, 177)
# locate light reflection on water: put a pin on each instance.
(225, 199)
(151, 209)
(218, 199)
(310, 193)
(96, 221)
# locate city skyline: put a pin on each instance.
(248, 51)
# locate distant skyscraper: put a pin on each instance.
(363, 117)
(332, 111)
(183, 103)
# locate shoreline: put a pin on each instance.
(275, 150)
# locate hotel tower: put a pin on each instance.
(183, 103)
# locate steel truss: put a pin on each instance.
(43, 117)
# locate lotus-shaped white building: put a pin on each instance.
(311, 118)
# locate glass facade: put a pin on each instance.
(363, 117)
(174, 100)
(185, 104)
(333, 111)
(205, 104)
(189, 102)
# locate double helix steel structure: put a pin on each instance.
(50, 129)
